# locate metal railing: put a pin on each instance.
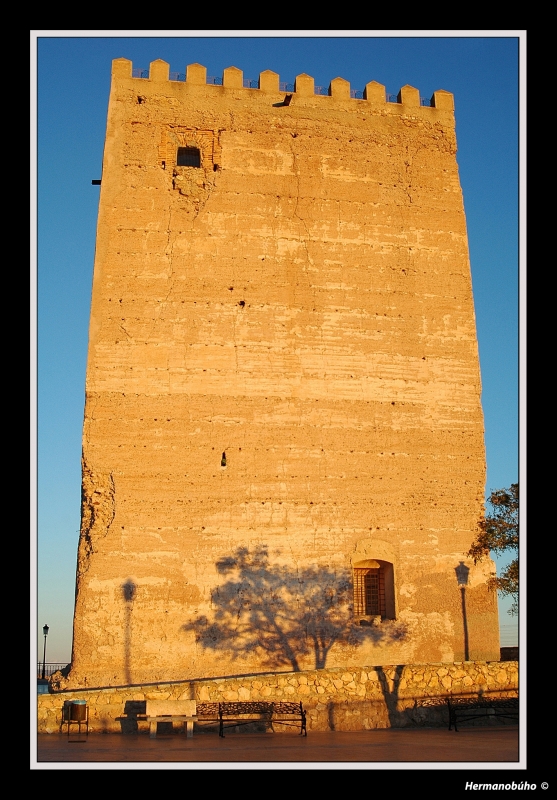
(50, 668)
(508, 635)
(424, 101)
(249, 83)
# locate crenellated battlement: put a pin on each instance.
(339, 89)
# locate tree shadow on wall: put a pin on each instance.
(284, 613)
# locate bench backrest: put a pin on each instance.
(161, 708)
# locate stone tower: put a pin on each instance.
(283, 450)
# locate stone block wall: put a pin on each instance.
(347, 699)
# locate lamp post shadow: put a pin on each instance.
(129, 589)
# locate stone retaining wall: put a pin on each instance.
(335, 699)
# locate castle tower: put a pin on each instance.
(283, 453)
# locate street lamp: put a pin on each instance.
(45, 634)
(462, 572)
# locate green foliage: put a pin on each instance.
(499, 534)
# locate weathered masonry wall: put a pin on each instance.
(349, 699)
(283, 390)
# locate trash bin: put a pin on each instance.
(78, 711)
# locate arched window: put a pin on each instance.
(188, 157)
(373, 591)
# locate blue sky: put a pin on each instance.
(481, 68)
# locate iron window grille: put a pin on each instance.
(188, 157)
(369, 592)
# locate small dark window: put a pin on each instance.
(188, 157)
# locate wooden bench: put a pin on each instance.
(170, 711)
(233, 714)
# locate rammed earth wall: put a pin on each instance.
(348, 699)
(301, 302)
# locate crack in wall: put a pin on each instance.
(302, 241)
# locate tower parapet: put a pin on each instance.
(303, 89)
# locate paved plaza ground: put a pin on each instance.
(497, 745)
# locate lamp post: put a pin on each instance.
(462, 572)
(45, 634)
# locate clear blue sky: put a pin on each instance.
(73, 81)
